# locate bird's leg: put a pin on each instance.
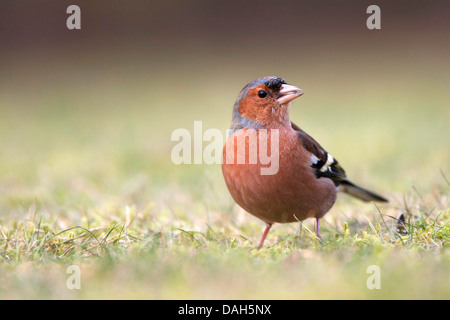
(266, 231)
(318, 228)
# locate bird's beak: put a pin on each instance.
(288, 93)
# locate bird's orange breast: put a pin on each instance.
(290, 193)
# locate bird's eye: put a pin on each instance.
(262, 94)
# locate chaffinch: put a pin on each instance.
(306, 179)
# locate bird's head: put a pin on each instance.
(264, 102)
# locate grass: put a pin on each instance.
(128, 253)
(86, 179)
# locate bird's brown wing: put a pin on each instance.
(326, 166)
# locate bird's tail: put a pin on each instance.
(358, 192)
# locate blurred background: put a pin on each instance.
(86, 118)
(86, 115)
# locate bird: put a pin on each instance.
(307, 178)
